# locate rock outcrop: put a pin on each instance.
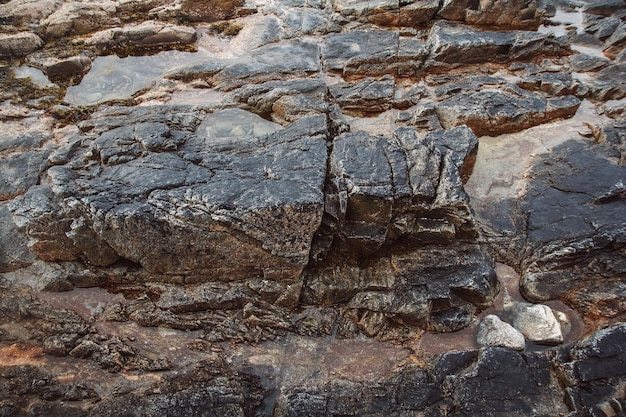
(312, 207)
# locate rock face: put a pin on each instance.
(586, 227)
(178, 184)
(312, 208)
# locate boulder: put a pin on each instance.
(17, 45)
(493, 332)
(167, 199)
(537, 323)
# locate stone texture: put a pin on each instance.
(537, 323)
(209, 10)
(503, 111)
(564, 225)
(508, 14)
(157, 204)
(18, 45)
(536, 390)
(148, 34)
(78, 18)
(272, 62)
(493, 332)
(369, 95)
(452, 45)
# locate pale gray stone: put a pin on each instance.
(494, 332)
(537, 323)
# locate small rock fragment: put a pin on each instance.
(494, 332)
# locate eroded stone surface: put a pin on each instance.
(267, 250)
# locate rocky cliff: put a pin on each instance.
(313, 208)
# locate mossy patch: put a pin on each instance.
(226, 28)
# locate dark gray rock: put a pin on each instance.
(588, 63)
(14, 253)
(452, 45)
(462, 144)
(608, 83)
(593, 370)
(143, 191)
(367, 53)
(404, 194)
(24, 159)
(508, 383)
(369, 95)
(615, 43)
(294, 58)
(373, 53)
(575, 229)
(552, 83)
(261, 98)
(600, 27)
(604, 7)
(503, 111)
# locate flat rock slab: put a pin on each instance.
(497, 111)
(237, 196)
(452, 45)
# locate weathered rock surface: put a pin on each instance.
(494, 332)
(19, 44)
(452, 45)
(509, 14)
(503, 111)
(277, 224)
(145, 35)
(175, 184)
(537, 323)
(586, 225)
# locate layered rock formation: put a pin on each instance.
(294, 208)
